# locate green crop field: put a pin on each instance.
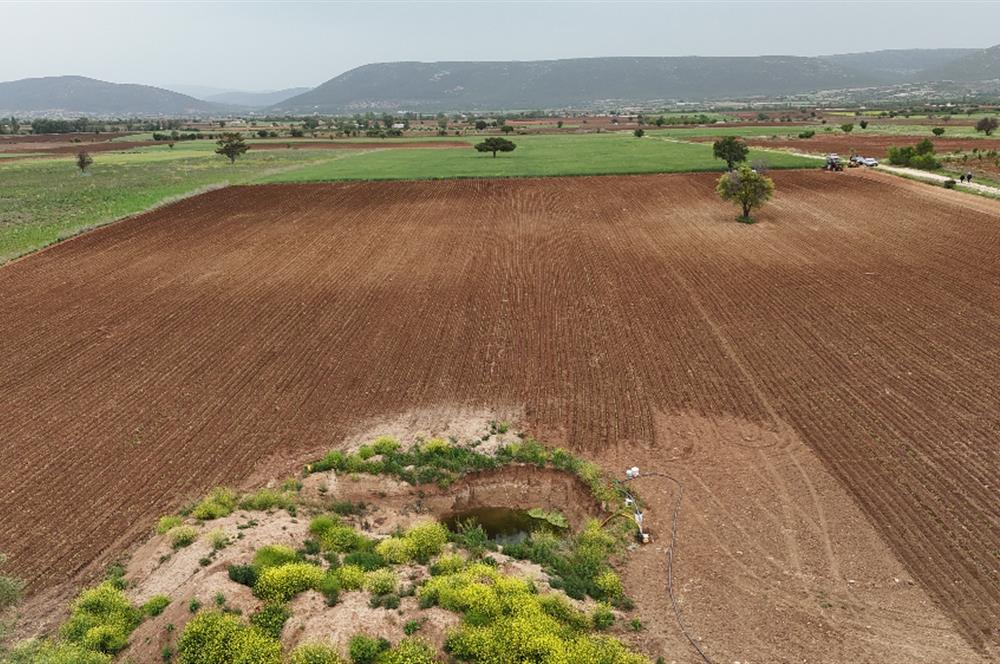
(44, 200)
(590, 154)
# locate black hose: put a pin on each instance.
(670, 560)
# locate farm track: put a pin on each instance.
(145, 362)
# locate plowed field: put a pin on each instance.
(872, 145)
(145, 362)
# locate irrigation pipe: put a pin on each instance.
(670, 559)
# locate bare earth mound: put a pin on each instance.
(252, 328)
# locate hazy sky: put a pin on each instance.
(263, 45)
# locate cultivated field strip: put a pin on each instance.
(143, 363)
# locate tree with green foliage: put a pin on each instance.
(310, 123)
(83, 161)
(937, 131)
(639, 133)
(559, 124)
(231, 146)
(506, 129)
(480, 124)
(987, 125)
(847, 128)
(863, 124)
(494, 145)
(747, 188)
(731, 150)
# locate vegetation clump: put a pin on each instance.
(281, 583)
(919, 156)
(217, 504)
(101, 619)
(215, 637)
(747, 188)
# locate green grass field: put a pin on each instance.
(44, 200)
(590, 154)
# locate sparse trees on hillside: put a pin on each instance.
(747, 188)
(494, 145)
(987, 125)
(83, 161)
(231, 146)
(731, 150)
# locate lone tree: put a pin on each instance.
(747, 188)
(639, 133)
(731, 150)
(83, 160)
(937, 131)
(864, 124)
(847, 128)
(506, 128)
(494, 145)
(987, 125)
(231, 146)
(480, 124)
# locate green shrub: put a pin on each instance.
(559, 608)
(603, 617)
(351, 577)
(182, 536)
(156, 605)
(168, 522)
(448, 563)
(364, 649)
(271, 619)
(243, 574)
(48, 652)
(273, 555)
(809, 133)
(101, 619)
(609, 585)
(390, 601)
(385, 445)
(366, 560)
(949, 184)
(218, 539)
(315, 654)
(330, 587)
(281, 583)
(413, 626)
(381, 582)
(334, 535)
(409, 651)
(267, 499)
(217, 504)
(214, 637)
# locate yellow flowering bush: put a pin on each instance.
(350, 577)
(396, 550)
(381, 582)
(217, 504)
(101, 619)
(281, 583)
(609, 584)
(314, 653)
(213, 637)
(408, 651)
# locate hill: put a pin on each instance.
(894, 64)
(580, 83)
(255, 99)
(82, 95)
(979, 65)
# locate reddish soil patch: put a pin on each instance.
(344, 145)
(876, 146)
(147, 361)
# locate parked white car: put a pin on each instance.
(869, 161)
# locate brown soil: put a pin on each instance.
(874, 146)
(145, 362)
